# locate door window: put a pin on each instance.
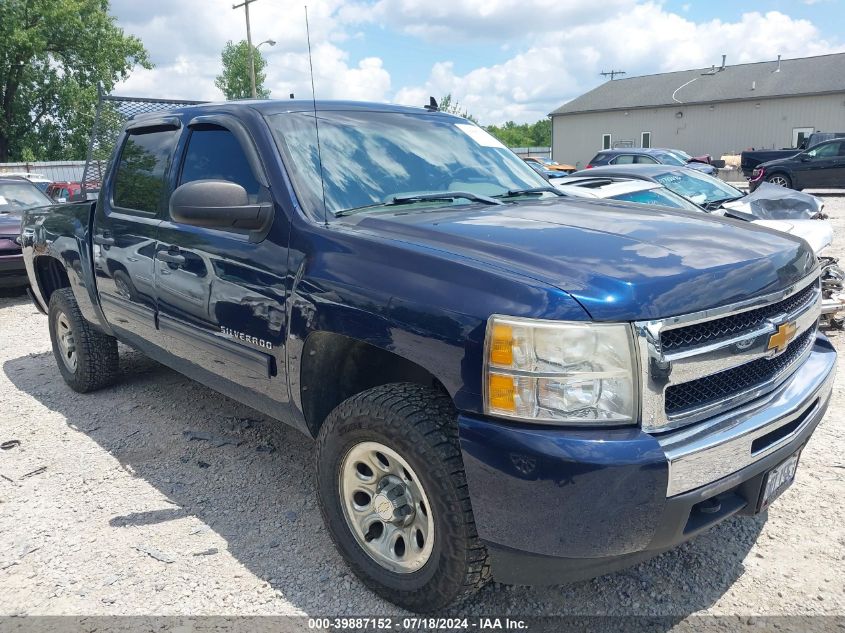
(141, 170)
(214, 153)
(642, 159)
(624, 159)
(825, 151)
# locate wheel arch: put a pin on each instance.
(335, 367)
(50, 275)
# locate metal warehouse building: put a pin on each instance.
(716, 111)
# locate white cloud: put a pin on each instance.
(555, 48)
(565, 63)
(185, 40)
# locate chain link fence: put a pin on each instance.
(111, 115)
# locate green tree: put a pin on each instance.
(53, 53)
(452, 106)
(512, 134)
(234, 80)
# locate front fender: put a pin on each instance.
(426, 306)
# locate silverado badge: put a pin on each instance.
(780, 339)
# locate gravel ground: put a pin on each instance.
(159, 496)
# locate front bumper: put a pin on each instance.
(12, 271)
(556, 505)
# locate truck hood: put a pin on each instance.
(622, 262)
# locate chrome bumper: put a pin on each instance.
(706, 452)
(833, 304)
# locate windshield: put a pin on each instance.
(661, 197)
(18, 196)
(700, 188)
(667, 158)
(370, 158)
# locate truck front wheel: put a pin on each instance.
(394, 497)
(87, 359)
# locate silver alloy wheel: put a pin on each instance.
(386, 507)
(67, 344)
(779, 180)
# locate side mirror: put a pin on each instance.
(804, 158)
(217, 204)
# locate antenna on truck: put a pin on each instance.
(316, 123)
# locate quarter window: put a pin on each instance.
(141, 170)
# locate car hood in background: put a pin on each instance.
(702, 167)
(773, 202)
(621, 262)
(817, 233)
(10, 224)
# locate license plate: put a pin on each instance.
(779, 479)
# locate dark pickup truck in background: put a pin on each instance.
(501, 382)
(750, 159)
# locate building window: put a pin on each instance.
(605, 141)
(646, 139)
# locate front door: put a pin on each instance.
(125, 226)
(221, 293)
(821, 166)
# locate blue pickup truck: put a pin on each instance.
(501, 382)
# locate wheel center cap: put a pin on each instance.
(393, 503)
(383, 507)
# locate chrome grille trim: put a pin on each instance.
(704, 453)
(660, 370)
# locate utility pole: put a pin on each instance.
(245, 4)
(605, 73)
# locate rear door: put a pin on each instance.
(221, 293)
(125, 227)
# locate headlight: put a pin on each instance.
(560, 372)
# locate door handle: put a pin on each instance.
(102, 240)
(170, 258)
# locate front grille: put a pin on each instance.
(725, 384)
(720, 329)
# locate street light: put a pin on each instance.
(270, 42)
(245, 4)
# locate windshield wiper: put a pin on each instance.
(534, 191)
(431, 196)
(715, 204)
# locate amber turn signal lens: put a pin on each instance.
(501, 392)
(501, 345)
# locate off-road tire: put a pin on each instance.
(97, 363)
(419, 424)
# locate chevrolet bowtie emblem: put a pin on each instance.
(780, 339)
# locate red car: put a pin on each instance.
(67, 191)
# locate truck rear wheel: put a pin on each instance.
(393, 494)
(87, 359)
